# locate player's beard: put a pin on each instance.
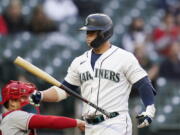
(89, 44)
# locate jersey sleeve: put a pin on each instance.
(20, 119)
(52, 122)
(132, 69)
(73, 76)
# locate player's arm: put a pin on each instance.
(147, 93)
(55, 94)
(52, 94)
(54, 122)
(137, 76)
(146, 90)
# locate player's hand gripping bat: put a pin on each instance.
(48, 78)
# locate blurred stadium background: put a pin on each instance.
(45, 32)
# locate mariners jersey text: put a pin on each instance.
(100, 73)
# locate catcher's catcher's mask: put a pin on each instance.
(16, 90)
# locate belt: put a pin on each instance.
(95, 119)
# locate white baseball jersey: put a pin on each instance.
(16, 123)
(109, 84)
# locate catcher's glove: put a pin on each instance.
(145, 118)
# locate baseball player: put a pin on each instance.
(22, 118)
(105, 75)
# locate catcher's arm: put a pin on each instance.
(53, 122)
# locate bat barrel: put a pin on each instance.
(36, 71)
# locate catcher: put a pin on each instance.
(23, 118)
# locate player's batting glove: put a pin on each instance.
(145, 118)
(36, 98)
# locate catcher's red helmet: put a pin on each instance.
(16, 89)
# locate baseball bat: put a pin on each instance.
(48, 78)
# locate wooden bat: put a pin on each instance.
(48, 78)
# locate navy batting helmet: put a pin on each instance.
(101, 23)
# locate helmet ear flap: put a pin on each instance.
(108, 33)
(101, 33)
